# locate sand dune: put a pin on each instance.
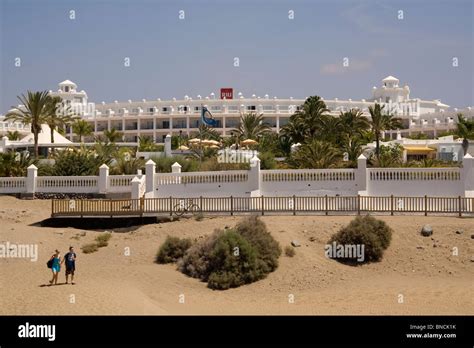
(423, 270)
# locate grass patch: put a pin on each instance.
(89, 248)
(102, 240)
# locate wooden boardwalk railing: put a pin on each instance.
(262, 205)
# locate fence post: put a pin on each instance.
(142, 205)
(82, 207)
(171, 206)
(263, 208)
(294, 205)
(254, 176)
(391, 204)
(467, 174)
(110, 208)
(361, 173)
(32, 173)
(231, 206)
(426, 205)
(103, 179)
(326, 203)
(200, 204)
(459, 206)
(150, 168)
(176, 169)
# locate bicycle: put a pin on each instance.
(185, 206)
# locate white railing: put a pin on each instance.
(414, 174)
(201, 177)
(13, 126)
(120, 183)
(80, 184)
(13, 185)
(308, 175)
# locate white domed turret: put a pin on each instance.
(390, 82)
(67, 86)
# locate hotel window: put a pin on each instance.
(197, 108)
(271, 121)
(166, 124)
(165, 109)
(179, 124)
(215, 108)
(233, 108)
(151, 110)
(232, 123)
(251, 108)
(268, 108)
(66, 89)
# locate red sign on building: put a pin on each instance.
(227, 93)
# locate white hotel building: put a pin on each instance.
(157, 118)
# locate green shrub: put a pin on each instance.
(89, 248)
(163, 164)
(233, 262)
(375, 235)
(196, 261)
(172, 249)
(77, 162)
(15, 163)
(233, 257)
(267, 160)
(103, 239)
(289, 251)
(255, 231)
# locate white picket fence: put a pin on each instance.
(408, 182)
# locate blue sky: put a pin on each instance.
(171, 57)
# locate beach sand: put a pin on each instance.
(421, 269)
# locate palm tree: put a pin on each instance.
(13, 135)
(251, 126)
(32, 112)
(206, 132)
(352, 123)
(380, 122)
(146, 144)
(82, 128)
(113, 135)
(465, 130)
(294, 130)
(315, 154)
(15, 163)
(58, 115)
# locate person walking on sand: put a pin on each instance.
(70, 261)
(55, 266)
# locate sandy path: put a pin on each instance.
(431, 279)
